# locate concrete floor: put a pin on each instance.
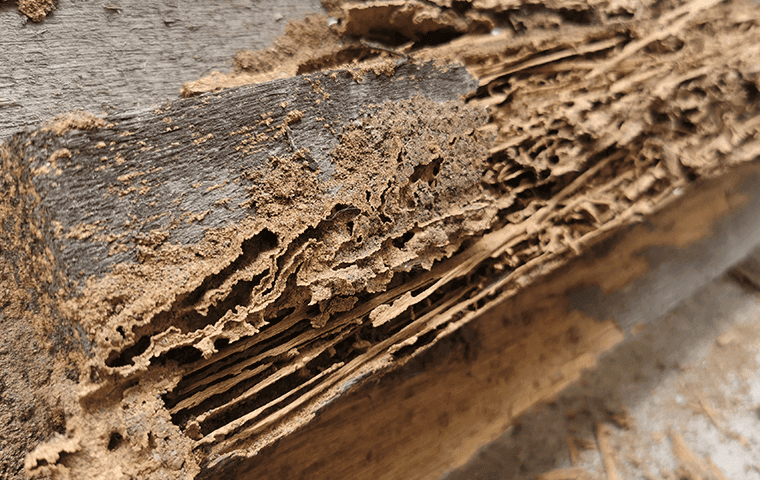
(679, 400)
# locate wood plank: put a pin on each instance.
(118, 56)
(223, 183)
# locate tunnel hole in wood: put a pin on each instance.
(115, 440)
(240, 295)
(579, 17)
(126, 356)
(284, 391)
(427, 173)
(262, 242)
(223, 359)
(231, 366)
(186, 317)
(220, 343)
(400, 242)
(181, 355)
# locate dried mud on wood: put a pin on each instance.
(239, 260)
(36, 10)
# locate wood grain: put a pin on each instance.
(119, 55)
(190, 155)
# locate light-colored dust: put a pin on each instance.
(79, 120)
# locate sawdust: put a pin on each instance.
(79, 120)
(566, 474)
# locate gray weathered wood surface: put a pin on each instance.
(189, 155)
(118, 55)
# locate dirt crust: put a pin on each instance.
(36, 10)
(40, 349)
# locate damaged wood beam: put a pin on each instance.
(236, 264)
(433, 414)
(241, 252)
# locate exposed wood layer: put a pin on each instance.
(425, 419)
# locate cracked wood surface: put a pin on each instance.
(425, 420)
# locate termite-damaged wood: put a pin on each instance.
(353, 226)
(273, 251)
(168, 174)
(424, 419)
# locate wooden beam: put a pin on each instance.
(242, 265)
(433, 414)
(120, 56)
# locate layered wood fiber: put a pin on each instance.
(237, 261)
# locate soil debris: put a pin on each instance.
(36, 10)
(79, 120)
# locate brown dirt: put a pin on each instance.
(36, 10)
(74, 121)
(40, 354)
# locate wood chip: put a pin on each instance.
(603, 434)
(574, 455)
(705, 408)
(572, 473)
(691, 466)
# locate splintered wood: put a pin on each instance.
(690, 465)
(237, 261)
